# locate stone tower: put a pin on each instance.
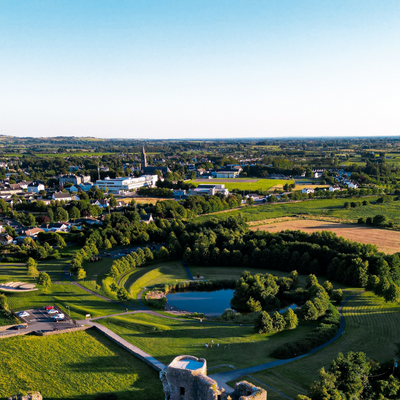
(144, 161)
(186, 379)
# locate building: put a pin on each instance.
(307, 191)
(209, 190)
(352, 185)
(63, 196)
(143, 159)
(74, 179)
(185, 378)
(32, 233)
(102, 203)
(35, 187)
(231, 173)
(334, 188)
(147, 218)
(125, 184)
(179, 192)
(5, 239)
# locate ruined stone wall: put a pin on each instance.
(246, 391)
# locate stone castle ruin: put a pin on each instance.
(185, 378)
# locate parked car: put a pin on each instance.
(59, 317)
(52, 311)
(18, 327)
(48, 308)
(23, 314)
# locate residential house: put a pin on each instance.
(32, 233)
(56, 227)
(307, 191)
(147, 218)
(352, 185)
(5, 239)
(179, 193)
(102, 203)
(63, 196)
(35, 187)
(334, 188)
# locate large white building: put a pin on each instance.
(209, 190)
(125, 184)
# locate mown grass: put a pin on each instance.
(64, 294)
(75, 365)
(239, 183)
(160, 273)
(172, 338)
(371, 327)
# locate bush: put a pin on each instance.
(316, 338)
(361, 221)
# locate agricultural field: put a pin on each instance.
(76, 365)
(386, 241)
(371, 327)
(244, 184)
(331, 209)
(165, 339)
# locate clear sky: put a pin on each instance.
(199, 69)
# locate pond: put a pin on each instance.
(292, 306)
(209, 303)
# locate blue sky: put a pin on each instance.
(193, 69)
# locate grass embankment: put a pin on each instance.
(324, 208)
(371, 326)
(160, 273)
(246, 184)
(172, 338)
(75, 365)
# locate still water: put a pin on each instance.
(209, 303)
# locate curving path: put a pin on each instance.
(223, 377)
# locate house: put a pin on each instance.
(307, 191)
(102, 203)
(63, 196)
(85, 186)
(73, 188)
(32, 233)
(230, 173)
(5, 239)
(121, 203)
(179, 193)
(352, 185)
(56, 227)
(35, 187)
(74, 179)
(334, 188)
(147, 218)
(255, 197)
(88, 221)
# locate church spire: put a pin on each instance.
(144, 161)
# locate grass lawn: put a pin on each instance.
(172, 338)
(80, 302)
(75, 365)
(156, 274)
(241, 184)
(235, 273)
(376, 336)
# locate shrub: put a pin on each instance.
(337, 296)
(263, 323)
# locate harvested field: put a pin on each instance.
(387, 241)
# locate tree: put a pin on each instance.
(294, 276)
(107, 244)
(328, 287)
(122, 294)
(74, 213)
(309, 311)
(31, 264)
(113, 287)
(311, 280)
(337, 296)
(3, 302)
(253, 305)
(392, 294)
(278, 321)
(81, 274)
(263, 323)
(44, 279)
(379, 220)
(291, 320)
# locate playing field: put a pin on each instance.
(244, 183)
(387, 241)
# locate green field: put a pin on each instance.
(326, 208)
(376, 336)
(241, 184)
(75, 365)
(172, 338)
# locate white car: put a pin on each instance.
(23, 314)
(52, 311)
(59, 317)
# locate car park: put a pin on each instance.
(23, 314)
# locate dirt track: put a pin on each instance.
(387, 241)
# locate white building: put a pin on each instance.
(125, 184)
(307, 191)
(209, 190)
(227, 173)
(334, 188)
(35, 187)
(352, 185)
